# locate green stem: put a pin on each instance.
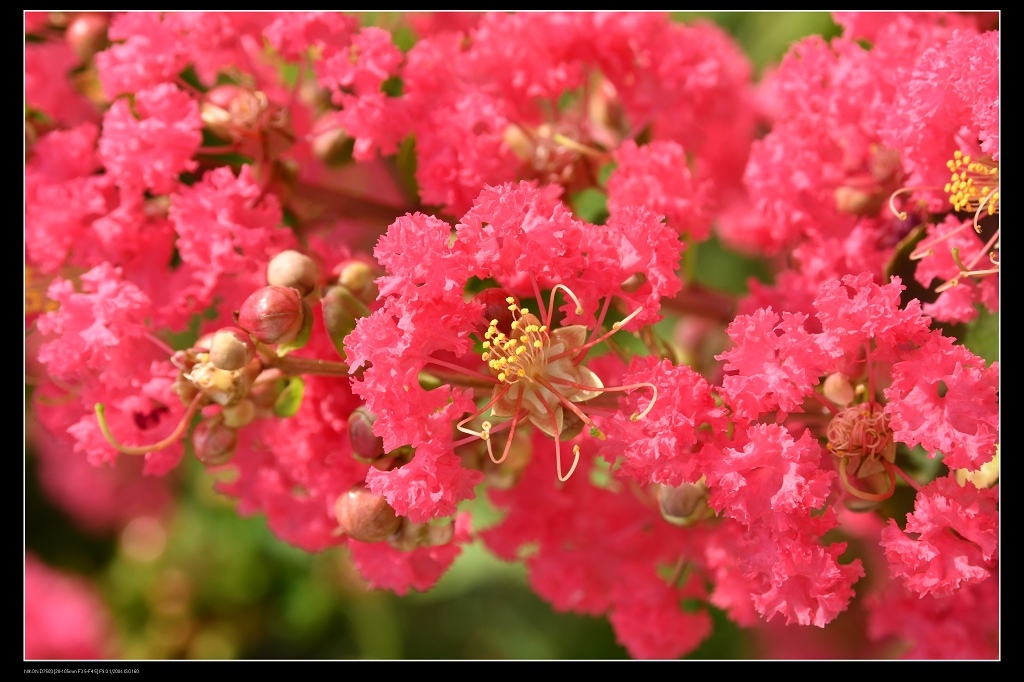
(291, 364)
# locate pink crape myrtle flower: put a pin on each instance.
(525, 240)
(155, 148)
(950, 541)
(852, 212)
(528, 184)
(503, 78)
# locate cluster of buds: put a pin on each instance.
(237, 367)
(242, 373)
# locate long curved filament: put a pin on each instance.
(174, 437)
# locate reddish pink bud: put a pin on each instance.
(273, 315)
(293, 269)
(364, 442)
(364, 516)
(214, 442)
(231, 348)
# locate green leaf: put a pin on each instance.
(290, 400)
(982, 335)
(590, 205)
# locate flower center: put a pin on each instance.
(974, 185)
(860, 435)
(536, 372)
(538, 376)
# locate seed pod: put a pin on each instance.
(364, 516)
(214, 442)
(231, 348)
(273, 315)
(293, 269)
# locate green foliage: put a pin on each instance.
(290, 399)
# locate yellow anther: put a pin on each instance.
(520, 350)
(509, 299)
(501, 376)
(538, 343)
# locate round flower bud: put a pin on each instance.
(365, 443)
(332, 146)
(358, 277)
(214, 442)
(267, 388)
(633, 283)
(87, 34)
(240, 414)
(364, 516)
(215, 110)
(231, 348)
(293, 269)
(838, 389)
(414, 535)
(273, 314)
(681, 504)
(341, 310)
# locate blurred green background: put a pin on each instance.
(204, 583)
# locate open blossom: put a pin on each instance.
(155, 148)
(945, 398)
(527, 241)
(502, 80)
(950, 541)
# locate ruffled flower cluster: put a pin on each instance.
(389, 278)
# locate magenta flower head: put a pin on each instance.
(273, 315)
(490, 377)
